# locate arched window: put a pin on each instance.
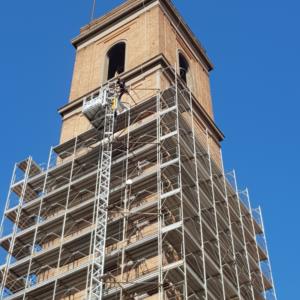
(116, 60)
(183, 67)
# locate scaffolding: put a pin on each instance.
(177, 226)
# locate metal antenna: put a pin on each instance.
(93, 10)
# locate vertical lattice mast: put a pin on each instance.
(98, 110)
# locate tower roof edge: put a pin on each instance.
(130, 7)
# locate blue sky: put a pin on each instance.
(255, 48)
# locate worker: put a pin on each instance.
(117, 104)
(121, 91)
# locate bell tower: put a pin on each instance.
(134, 202)
(136, 39)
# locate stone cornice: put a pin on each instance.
(157, 62)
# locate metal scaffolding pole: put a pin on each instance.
(215, 215)
(180, 186)
(272, 292)
(198, 197)
(256, 245)
(15, 228)
(159, 202)
(230, 227)
(250, 283)
(38, 221)
(7, 204)
(65, 217)
(125, 209)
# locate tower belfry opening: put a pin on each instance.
(134, 205)
(183, 67)
(116, 60)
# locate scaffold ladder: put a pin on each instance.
(107, 104)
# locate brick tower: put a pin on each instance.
(134, 202)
